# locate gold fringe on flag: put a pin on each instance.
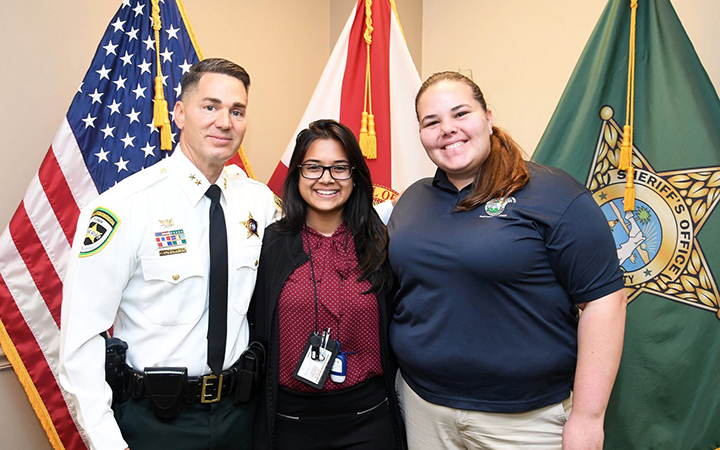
(189, 28)
(160, 117)
(626, 148)
(27, 383)
(246, 163)
(368, 139)
(394, 8)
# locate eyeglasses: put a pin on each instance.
(313, 171)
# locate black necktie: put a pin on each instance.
(217, 317)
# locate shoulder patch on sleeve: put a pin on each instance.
(101, 229)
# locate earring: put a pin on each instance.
(353, 184)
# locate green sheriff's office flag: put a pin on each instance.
(667, 394)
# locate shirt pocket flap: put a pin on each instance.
(172, 270)
(247, 255)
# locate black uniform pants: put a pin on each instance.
(215, 426)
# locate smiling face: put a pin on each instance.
(212, 119)
(455, 130)
(325, 197)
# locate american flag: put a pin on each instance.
(107, 135)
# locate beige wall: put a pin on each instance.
(521, 52)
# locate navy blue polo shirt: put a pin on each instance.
(485, 316)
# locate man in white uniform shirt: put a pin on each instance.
(141, 264)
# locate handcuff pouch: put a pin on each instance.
(164, 386)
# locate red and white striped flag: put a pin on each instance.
(108, 134)
(341, 95)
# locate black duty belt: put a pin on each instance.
(168, 387)
(174, 381)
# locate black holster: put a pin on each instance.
(116, 374)
(250, 369)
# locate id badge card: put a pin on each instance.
(315, 371)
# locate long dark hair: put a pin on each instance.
(503, 172)
(370, 234)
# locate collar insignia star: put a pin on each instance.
(657, 244)
(251, 225)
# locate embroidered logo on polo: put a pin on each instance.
(171, 242)
(496, 206)
(101, 229)
(657, 244)
(251, 225)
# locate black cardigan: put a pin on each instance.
(281, 254)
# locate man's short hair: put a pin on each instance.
(214, 65)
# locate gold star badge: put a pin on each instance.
(251, 225)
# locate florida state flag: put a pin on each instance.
(374, 96)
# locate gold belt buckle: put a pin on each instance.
(211, 383)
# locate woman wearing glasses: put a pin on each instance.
(322, 303)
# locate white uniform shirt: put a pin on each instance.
(141, 266)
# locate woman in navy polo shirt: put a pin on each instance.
(494, 257)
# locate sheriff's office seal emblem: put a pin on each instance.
(657, 243)
(101, 228)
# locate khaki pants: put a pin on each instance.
(434, 427)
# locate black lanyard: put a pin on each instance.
(312, 270)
